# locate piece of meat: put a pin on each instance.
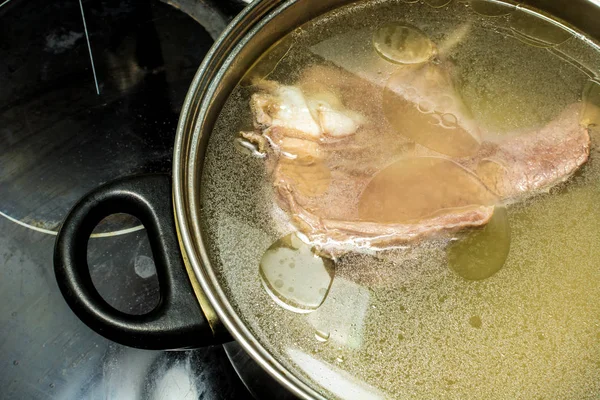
(350, 180)
(534, 162)
(336, 236)
(287, 108)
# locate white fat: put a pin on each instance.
(334, 123)
(287, 107)
(300, 147)
(293, 112)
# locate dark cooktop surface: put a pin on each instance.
(70, 121)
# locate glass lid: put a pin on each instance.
(400, 201)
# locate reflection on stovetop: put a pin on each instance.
(59, 138)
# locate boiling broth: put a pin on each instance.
(405, 323)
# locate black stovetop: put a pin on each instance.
(60, 136)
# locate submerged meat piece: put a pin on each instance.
(534, 161)
(349, 179)
(422, 104)
(414, 188)
(287, 108)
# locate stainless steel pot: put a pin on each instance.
(177, 237)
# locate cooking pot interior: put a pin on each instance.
(508, 308)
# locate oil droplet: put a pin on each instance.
(322, 336)
(426, 106)
(302, 289)
(591, 101)
(437, 3)
(482, 252)
(415, 188)
(417, 99)
(490, 9)
(475, 321)
(403, 44)
(449, 121)
(535, 31)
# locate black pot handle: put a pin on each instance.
(177, 322)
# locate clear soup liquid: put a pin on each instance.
(509, 311)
